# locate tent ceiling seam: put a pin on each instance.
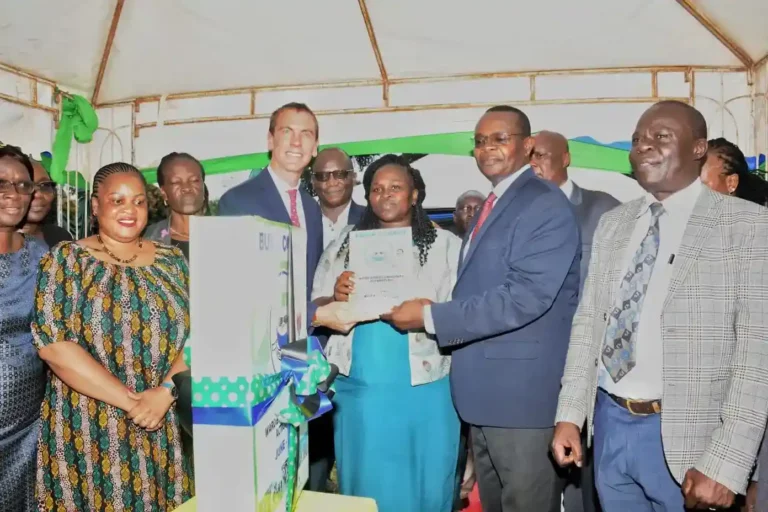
(427, 80)
(376, 50)
(419, 107)
(717, 32)
(107, 50)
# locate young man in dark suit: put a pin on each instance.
(275, 195)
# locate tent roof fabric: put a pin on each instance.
(119, 50)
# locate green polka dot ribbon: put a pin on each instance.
(242, 401)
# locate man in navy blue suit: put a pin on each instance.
(333, 178)
(274, 194)
(508, 324)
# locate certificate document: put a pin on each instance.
(382, 260)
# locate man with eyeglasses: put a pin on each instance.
(468, 205)
(509, 320)
(333, 179)
(38, 222)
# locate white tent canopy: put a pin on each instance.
(119, 50)
(203, 76)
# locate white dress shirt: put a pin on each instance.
(331, 230)
(283, 188)
(567, 188)
(498, 191)
(645, 382)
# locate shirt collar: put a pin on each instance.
(680, 203)
(567, 188)
(507, 182)
(343, 216)
(281, 185)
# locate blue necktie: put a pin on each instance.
(621, 335)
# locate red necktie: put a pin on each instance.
(294, 209)
(484, 213)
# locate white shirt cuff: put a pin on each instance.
(429, 323)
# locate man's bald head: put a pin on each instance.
(695, 119)
(550, 157)
(669, 146)
(333, 191)
(327, 156)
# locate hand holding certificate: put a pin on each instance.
(382, 261)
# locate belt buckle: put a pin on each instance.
(654, 406)
(629, 408)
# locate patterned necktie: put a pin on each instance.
(484, 213)
(621, 335)
(294, 209)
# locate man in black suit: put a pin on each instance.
(550, 159)
(333, 178)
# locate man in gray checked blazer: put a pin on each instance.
(668, 355)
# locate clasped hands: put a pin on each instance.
(149, 407)
(700, 491)
(339, 316)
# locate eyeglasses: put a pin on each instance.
(21, 187)
(469, 208)
(46, 187)
(497, 139)
(325, 176)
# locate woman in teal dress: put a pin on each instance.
(395, 428)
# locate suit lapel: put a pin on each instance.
(271, 198)
(616, 260)
(704, 216)
(496, 212)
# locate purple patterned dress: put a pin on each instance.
(22, 378)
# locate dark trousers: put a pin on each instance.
(515, 471)
(461, 467)
(321, 452)
(580, 494)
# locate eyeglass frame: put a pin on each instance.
(50, 184)
(8, 185)
(500, 139)
(327, 175)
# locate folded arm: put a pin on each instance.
(80, 371)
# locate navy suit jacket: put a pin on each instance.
(356, 212)
(509, 321)
(259, 196)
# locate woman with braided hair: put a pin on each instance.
(111, 319)
(726, 171)
(396, 432)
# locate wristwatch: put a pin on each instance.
(170, 386)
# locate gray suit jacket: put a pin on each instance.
(715, 336)
(589, 206)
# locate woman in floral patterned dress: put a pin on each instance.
(111, 319)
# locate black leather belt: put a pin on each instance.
(637, 407)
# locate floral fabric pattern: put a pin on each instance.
(134, 321)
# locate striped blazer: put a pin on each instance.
(715, 336)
